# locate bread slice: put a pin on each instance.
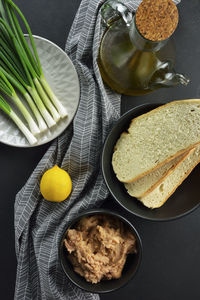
(141, 187)
(159, 195)
(155, 138)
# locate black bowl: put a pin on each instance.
(184, 200)
(105, 286)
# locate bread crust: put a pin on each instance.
(167, 174)
(164, 105)
(183, 178)
(154, 186)
(161, 164)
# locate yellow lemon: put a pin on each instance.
(56, 184)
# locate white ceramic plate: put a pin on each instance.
(63, 79)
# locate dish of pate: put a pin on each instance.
(98, 247)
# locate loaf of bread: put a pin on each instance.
(155, 138)
(142, 186)
(159, 195)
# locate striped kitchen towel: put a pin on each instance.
(39, 223)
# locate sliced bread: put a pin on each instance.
(155, 138)
(141, 187)
(159, 195)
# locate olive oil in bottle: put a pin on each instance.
(132, 64)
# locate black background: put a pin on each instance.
(171, 260)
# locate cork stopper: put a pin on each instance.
(156, 20)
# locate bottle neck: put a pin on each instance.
(141, 43)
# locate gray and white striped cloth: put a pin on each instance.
(39, 223)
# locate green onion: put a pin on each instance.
(34, 61)
(60, 108)
(8, 90)
(20, 68)
(42, 125)
(48, 119)
(19, 71)
(8, 111)
(46, 100)
(19, 65)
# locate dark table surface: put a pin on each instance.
(171, 258)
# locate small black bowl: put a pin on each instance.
(184, 200)
(132, 263)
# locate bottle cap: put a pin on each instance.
(156, 20)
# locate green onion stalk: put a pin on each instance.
(8, 90)
(33, 61)
(28, 74)
(15, 68)
(12, 115)
(15, 83)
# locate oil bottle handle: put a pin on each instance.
(112, 10)
(169, 78)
